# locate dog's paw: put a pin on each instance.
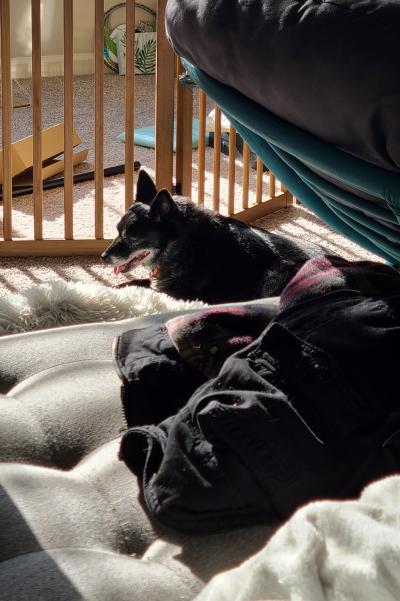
(118, 286)
(143, 283)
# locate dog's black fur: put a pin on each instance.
(202, 255)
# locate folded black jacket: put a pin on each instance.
(308, 410)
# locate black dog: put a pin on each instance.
(197, 254)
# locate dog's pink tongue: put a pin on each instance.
(118, 269)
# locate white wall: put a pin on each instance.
(52, 35)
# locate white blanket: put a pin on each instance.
(328, 551)
(60, 303)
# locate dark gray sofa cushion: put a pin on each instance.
(331, 68)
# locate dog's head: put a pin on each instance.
(145, 229)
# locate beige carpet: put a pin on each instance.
(17, 274)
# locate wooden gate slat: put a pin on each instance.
(201, 161)
(37, 120)
(184, 151)
(68, 118)
(217, 159)
(99, 119)
(165, 88)
(6, 93)
(129, 102)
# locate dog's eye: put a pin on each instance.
(131, 230)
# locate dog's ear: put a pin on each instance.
(146, 190)
(163, 207)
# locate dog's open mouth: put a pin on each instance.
(132, 263)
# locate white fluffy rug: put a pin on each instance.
(55, 304)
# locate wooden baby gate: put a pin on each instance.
(173, 101)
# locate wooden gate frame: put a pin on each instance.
(168, 69)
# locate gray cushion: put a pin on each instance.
(71, 524)
(328, 67)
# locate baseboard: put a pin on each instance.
(21, 67)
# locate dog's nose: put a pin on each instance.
(104, 256)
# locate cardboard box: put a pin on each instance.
(52, 147)
(50, 169)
